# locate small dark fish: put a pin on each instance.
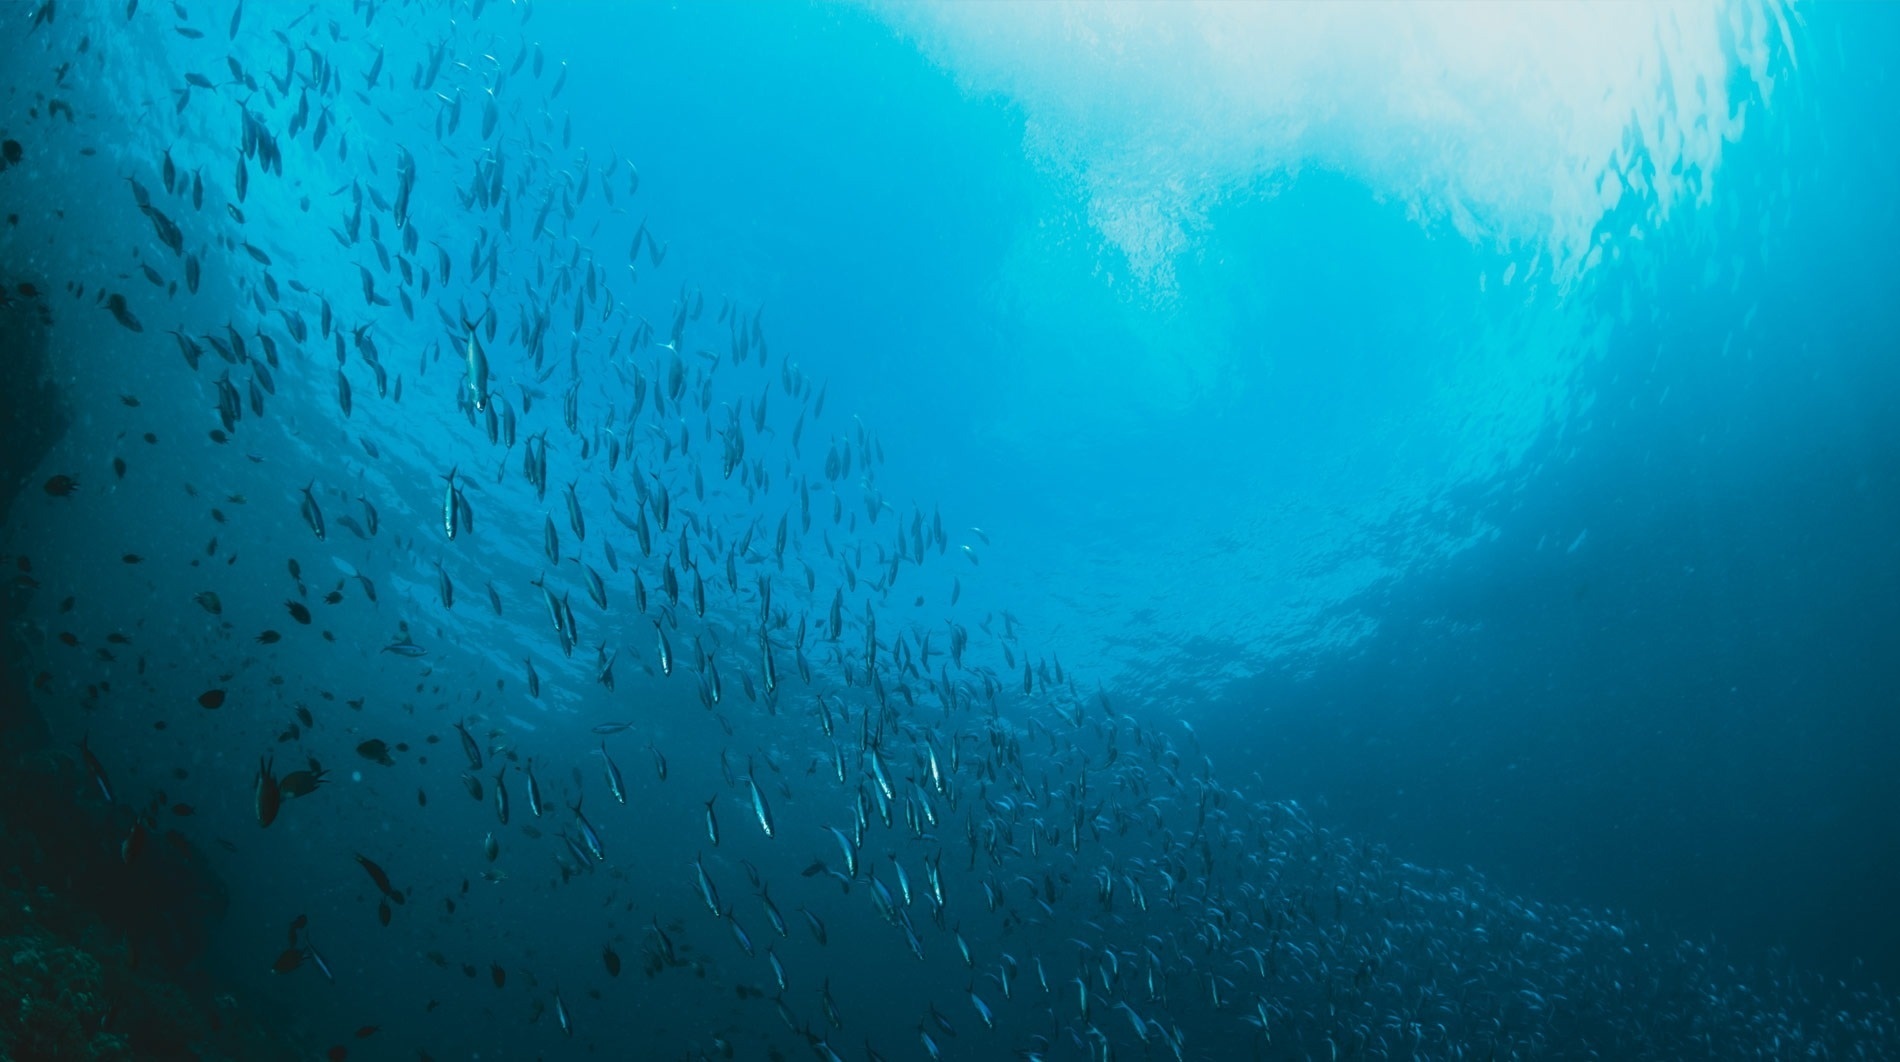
(211, 699)
(115, 303)
(297, 611)
(312, 515)
(377, 875)
(268, 797)
(302, 783)
(376, 749)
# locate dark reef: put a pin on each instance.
(96, 950)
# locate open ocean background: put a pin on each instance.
(1356, 531)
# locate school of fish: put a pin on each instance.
(550, 620)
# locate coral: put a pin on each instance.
(73, 994)
(53, 1001)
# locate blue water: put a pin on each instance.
(1411, 494)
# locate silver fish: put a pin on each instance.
(470, 747)
(759, 806)
(614, 783)
(477, 372)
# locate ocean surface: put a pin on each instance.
(933, 530)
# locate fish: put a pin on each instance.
(96, 770)
(534, 792)
(849, 849)
(477, 369)
(707, 892)
(268, 799)
(302, 783)
(312, 515)
(316, 959)
(379, 878)
(614, 783)
(589, 837)
(451, 511)
(739, 934)
(574, 517)
(982, 1008)
(772, 914)
(759, 806)
(470, 747)
(816, 925)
